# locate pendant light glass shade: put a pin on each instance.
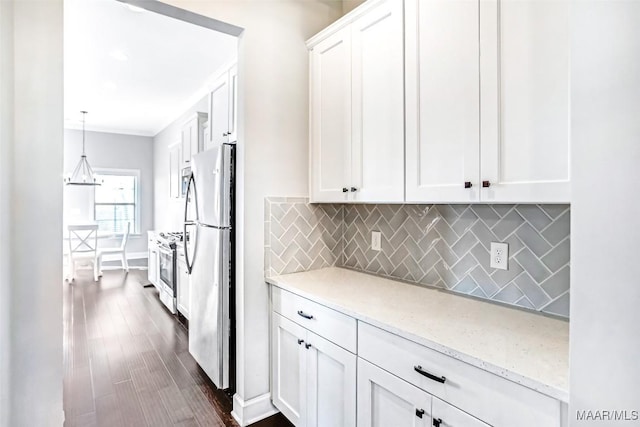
(82, 174)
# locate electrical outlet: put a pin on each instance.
(500, 255)
(376, 241)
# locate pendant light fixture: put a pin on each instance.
(82, 174)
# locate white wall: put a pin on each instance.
(605, 281)
(169, 212)
(273, 140)
(110, 151)
(6, 172)
(349, 5)
(31, 212)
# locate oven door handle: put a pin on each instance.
(165, 251)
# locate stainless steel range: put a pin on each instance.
(167, 271)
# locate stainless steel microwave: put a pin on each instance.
(186, 174)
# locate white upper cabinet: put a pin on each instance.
(443, 101)
(219, 113)
(174, 170)
(357, 107)
(481, 87)
(487, 87)
(378, 105)
(524, 71)
(233, 104)
(331, 118)
(192, 135)
(223, 109)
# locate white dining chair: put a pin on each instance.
(83, 247)
(122, 251)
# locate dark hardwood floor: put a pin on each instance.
(127, 361)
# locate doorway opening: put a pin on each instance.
(159, 86)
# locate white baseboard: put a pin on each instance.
(250, 411)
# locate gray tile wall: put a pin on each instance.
(446, 246)
(300, 236)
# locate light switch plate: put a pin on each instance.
(376, 241)
(500, 255)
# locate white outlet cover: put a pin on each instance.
(500, 255)
(376, 241)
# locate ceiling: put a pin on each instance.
(133, 70)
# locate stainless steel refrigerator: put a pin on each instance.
(208, 231)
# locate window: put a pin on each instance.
(116, 201)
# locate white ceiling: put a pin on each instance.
(135, 71)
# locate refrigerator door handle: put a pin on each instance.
(188, 222)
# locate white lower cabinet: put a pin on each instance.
(287, 368)
(320, 356)
(313, 379)
(386, 400)
(445, 415)
(152, 261)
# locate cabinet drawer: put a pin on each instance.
(493, 399)
(329, 324)
(449, 416)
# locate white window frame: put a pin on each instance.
(123, 172)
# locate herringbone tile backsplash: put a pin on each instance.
(446, 246)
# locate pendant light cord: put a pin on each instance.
(84, 115)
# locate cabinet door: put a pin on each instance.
(386, 400)
(449, 416)
(194, 135)
(233, 104)
(525, 100)
(174, 171)
(378, 105)
(206, 137)
(184, 288)
(287, 368)
(443, 101)
(331, 118)
(331, 384)
(185, 138)
(219, 112)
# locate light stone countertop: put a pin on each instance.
(522, 346)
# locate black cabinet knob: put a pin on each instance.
(308, 346)
(354, 189)
(467, 184)
(486, 184)
(437, 422)
(300, 342)
(345, 190)
(419, 413)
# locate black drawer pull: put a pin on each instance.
(419, 413)
(437, 422)
(308, 346)
(419, 370)
(305, 315)
(300, 342)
